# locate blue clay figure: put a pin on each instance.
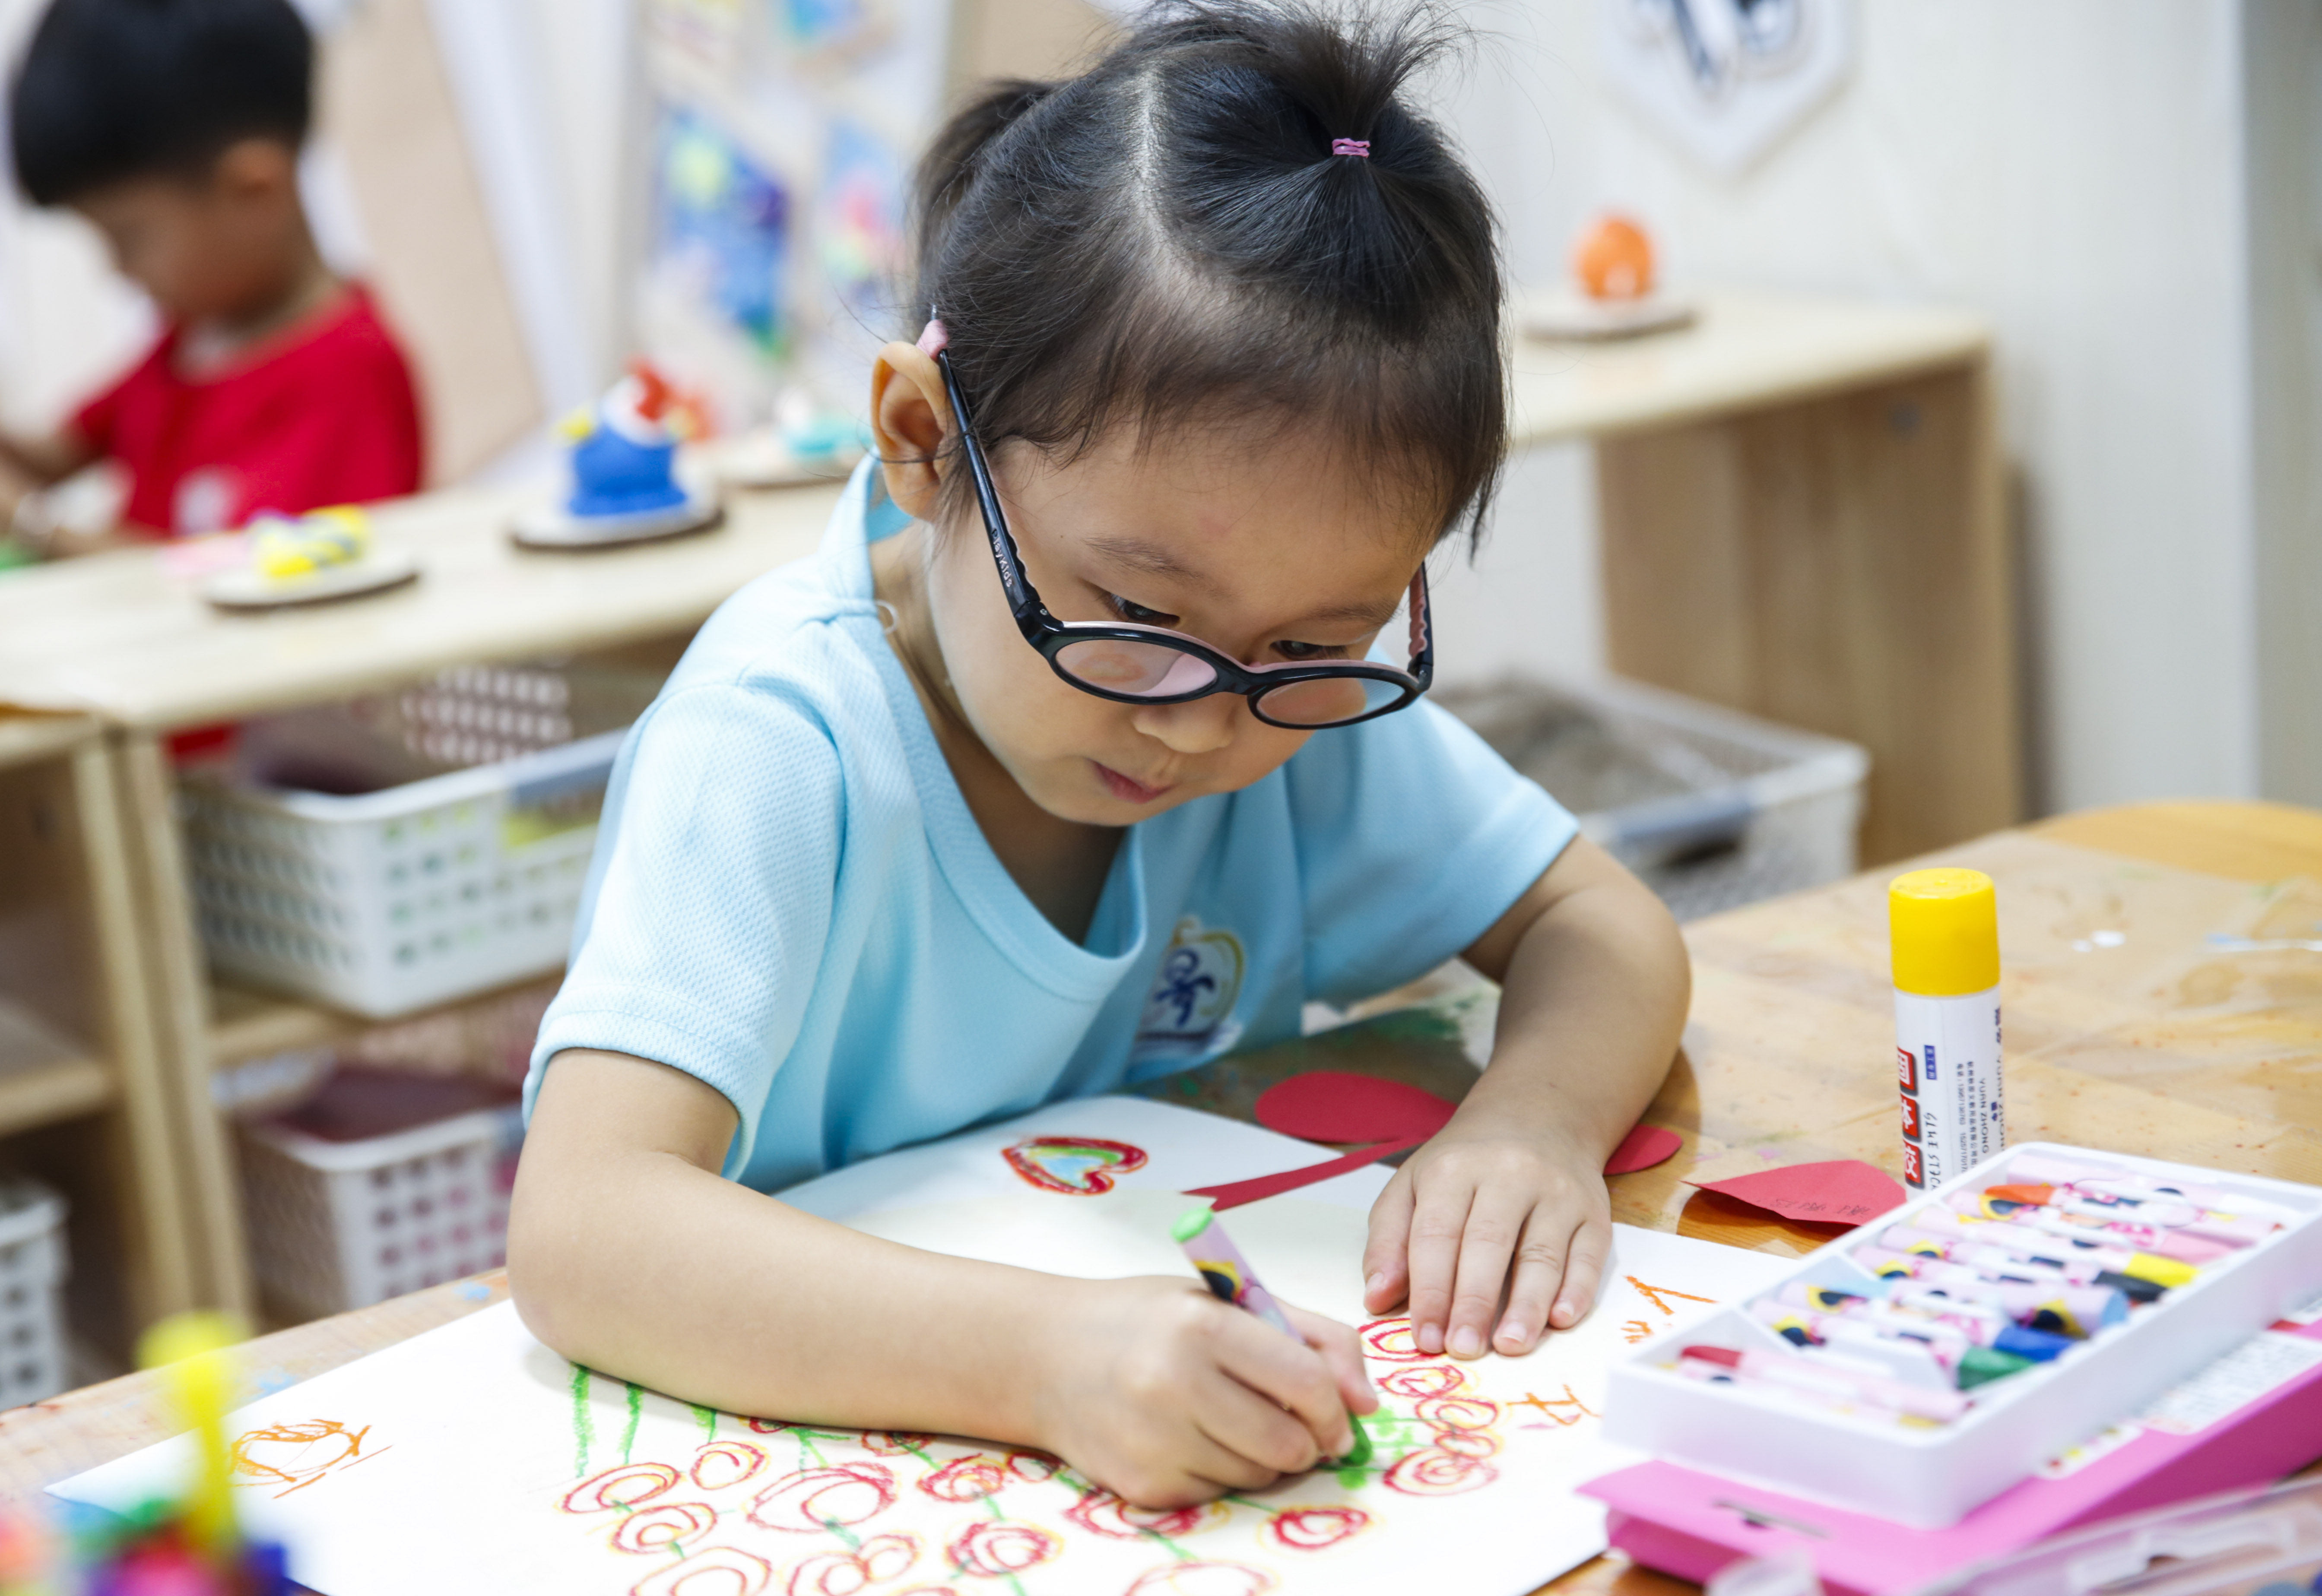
(622, 463)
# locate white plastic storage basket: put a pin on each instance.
(342, 1224)
(31, 1285)
(1713, 808)
(1931, 1476)
(389, 901)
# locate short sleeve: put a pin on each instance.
(1414, 838)
(710, 900)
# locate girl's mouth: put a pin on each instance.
(1127, 790)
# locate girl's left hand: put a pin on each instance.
(1486, 1212)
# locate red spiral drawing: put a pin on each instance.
(723, 1464)
(658, 1529)
(1315, 1529)
(817, 1499)
(967, 1479)
(1435, 1379)
(1202, 1579)
(1432, 1471)
(990, 1550)
(621, 1487)
(1103, 1513)
(1458, 1413)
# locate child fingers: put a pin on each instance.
(1439, 1220)
(1285, 1376)
(1342, 1354)
(1385, 1273)
(1487, 1245)
(1544, 1260)
(1584, 1272)
(1265, 1440)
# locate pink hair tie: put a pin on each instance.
(1361, 147)
(933, 338)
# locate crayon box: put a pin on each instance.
(1931, 1475)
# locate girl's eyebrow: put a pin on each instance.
(1152, 558)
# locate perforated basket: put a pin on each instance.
(397, 852)
(1713, 808)
(33, 1267)
(342, 1224)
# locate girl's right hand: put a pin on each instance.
(1162, 1394)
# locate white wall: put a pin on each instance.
(2072, 169)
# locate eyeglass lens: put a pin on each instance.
(1156, 671)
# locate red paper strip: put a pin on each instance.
(1234, 1193)
(1641, 1148)
(1339, 1106)
(1842, 1191)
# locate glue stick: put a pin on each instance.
(1947, 950)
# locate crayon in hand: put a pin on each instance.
(1230, 1279)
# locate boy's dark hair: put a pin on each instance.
(1168, 240)
(112, 89)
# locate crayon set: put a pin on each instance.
(1962, 1340)
(188, 1547)
(1986, 1283)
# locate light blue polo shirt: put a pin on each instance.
(791, 900)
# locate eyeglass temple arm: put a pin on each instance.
(1022, 599)
(1422, 632)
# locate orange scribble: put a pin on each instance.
(1554, 1407)
(1637, 1330)
(298, 1455)
(1653, 1294)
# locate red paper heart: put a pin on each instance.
(1338, 1106)
(1076, 1166)
(1842, 1191)
(1643, 1147)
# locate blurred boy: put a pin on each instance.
(174, 126)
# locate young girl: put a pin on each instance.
(1090, 698)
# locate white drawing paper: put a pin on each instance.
(473, 1459)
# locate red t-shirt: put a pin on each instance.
(324, 414)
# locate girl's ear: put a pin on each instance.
(910, 418)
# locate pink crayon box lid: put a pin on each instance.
(1931, 1476)
(2246, 1419)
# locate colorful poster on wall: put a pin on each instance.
(722, 229)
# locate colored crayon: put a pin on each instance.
(1913, 1312)
(2038, 1301)
(1818, 1377)
(2164, 1272)
(2102, 1180)
(1994, 1253)
(1230, 1279)
(1923, 1354)
(2112, 1230)
(1848, 1403)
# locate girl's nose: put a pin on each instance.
(1203, 725)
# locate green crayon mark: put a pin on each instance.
(636, 1412)
(584, 1427)
(707, 1418)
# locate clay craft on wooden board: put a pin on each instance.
(626, 487)
(316, 557)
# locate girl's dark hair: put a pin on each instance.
(112, 90)
(1167, 240)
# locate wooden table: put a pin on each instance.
(2152, 1044)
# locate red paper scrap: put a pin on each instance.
(1232, 1194)
(1641, 1148)
(1842, 1191)
(1339, 1106)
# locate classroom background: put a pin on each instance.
(1965, 475)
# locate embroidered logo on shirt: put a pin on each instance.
(1189, 1013)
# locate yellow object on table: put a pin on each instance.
(284, 548)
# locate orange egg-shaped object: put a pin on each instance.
(1614, 259)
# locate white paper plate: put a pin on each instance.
(244, 588)
(552, 527)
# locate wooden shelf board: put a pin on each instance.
(43, 1078)
(250, 1025)
(24, 738)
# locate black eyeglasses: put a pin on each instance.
(1132, 664)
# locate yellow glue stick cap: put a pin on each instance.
(1945, 924)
